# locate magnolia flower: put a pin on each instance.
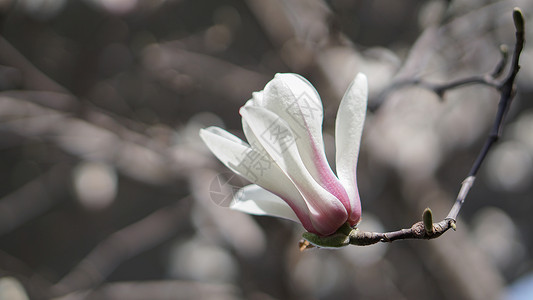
(285, 157)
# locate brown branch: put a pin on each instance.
(423, 229)
(489, 79)
(417, 231)
(507, 90)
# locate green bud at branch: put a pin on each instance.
(428, 221)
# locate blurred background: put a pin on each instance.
(106, 191)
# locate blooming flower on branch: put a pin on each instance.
(285, 159)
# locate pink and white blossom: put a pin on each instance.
(285, 159)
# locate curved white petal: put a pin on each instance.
(255, 200)
(257, 97)
(256, 100)
(297, 102)
(293, 85)
(348, 131)
(285, 157)
(204, 133)
(275, 135)
(229, 149)
(256, 167)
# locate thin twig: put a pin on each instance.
(507, 90)
(490, 79)
(506, 87)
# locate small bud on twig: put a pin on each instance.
(504, 50)
(452, 225)
(518, 18)
(428, 221)
(426, 229)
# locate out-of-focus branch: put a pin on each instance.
(309, 45)
(35, 285)
(426, 229)
(134, 154)
(164, 289)
(507, 91)
(32, 199)
(440, 89)
(180, 70)
(122, 245)
(31, 77)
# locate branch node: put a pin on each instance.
(504, 50)
(418, 230)
(500, 67)
(426, 229)
(466, 185)
(385, 239)
(452, 225)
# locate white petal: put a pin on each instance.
(255, 166)
(296, 101)
(252, 138)
(257, 97)
(348, 130)
(297, 203)
(231, 151)
(278, 140)
(256, 100)
(298, 85)
(275, 136)
(255, 200)
(222, 133)
(240, 157)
